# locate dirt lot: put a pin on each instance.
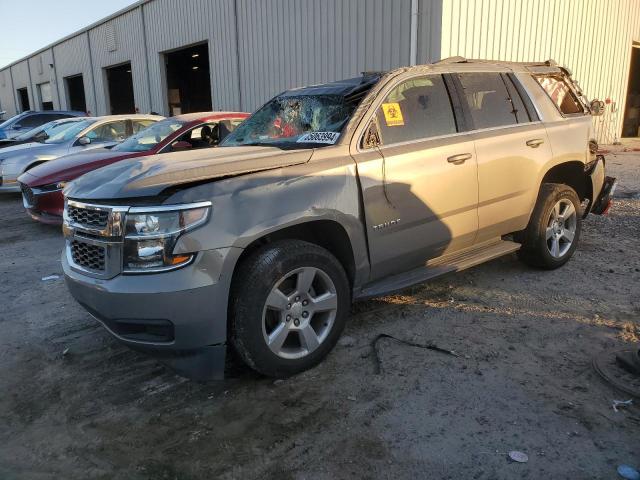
(524, 379)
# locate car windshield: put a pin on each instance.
(290, 121)
(151, 136)
(43, 131)
(64, 132)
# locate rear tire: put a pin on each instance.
(553, 232)
(289, 303)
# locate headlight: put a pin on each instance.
(151, 235)
(52, 187)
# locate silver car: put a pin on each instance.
(83, 134)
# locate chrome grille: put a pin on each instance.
(88, 217)
(88, 256)
(27, 193)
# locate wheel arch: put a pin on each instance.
(572, 174)
(328, 234)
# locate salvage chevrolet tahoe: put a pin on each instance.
(329, 194)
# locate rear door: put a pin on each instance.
(420, 185)
(511, 145)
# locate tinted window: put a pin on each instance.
(109, 132)
(561, 94)
(34, 120)
(522, 116)
(416, 108)
(488, 100)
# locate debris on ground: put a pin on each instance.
(50, 277)
(628, 473)
(427, 346)
(519, 457)
(617, 404)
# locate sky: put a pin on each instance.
(28, 25)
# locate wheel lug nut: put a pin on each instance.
(297, 299)
(305, 314)
(288, 306)
(288, 318)
(305, 303)
(296, 322)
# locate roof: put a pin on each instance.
(191, 117)
(345, 88)
(132, 116)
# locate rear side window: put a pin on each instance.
(489, 101)
(416, 108)
(34, 120)
(561, 94)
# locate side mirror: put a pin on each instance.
(84, 140)
(597, 107)
(371, 137)
(181, 145)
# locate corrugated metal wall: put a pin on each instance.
(173, 24)
(287, 43)
(22, 79)
(42, 72)
(72, 58)
(592, 37)
(125, 31)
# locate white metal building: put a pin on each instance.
(171, 56)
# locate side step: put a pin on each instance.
(436, 267)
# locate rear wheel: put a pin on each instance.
(290, 300)
(554, 228)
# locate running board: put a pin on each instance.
(453, 262)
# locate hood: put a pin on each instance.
(72, 166)
(149, 176)
(32, 149)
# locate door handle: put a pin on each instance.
(535, 142)
(459, 159)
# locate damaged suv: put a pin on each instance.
(330, 194)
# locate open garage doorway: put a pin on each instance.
(23, 98)
(631, 124)
(120, 87)
(188, 80)
(75, 93)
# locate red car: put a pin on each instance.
(42, 186)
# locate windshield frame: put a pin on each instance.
(292, 142)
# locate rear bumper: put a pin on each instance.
(603, 202)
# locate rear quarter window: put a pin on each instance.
(561, 94)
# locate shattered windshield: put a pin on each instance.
(290, 121)
(148, 138)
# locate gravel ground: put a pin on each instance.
(523, 380)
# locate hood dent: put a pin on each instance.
(149, 176)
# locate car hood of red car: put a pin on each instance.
(71, 167)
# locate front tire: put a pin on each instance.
(289, 303)
(554, 229)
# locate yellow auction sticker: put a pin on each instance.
(392, 114)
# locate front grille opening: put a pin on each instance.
(27, 193)
(87, 255)
(88, 217)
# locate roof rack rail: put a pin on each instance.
(456, 59)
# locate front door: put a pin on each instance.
(420, 185)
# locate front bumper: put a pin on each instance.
(179, 316)
(603, 202)
(43, 206)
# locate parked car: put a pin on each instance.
(329, 194)
(25, 121)
(42, 186)
(87, 134)
(39, 134)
